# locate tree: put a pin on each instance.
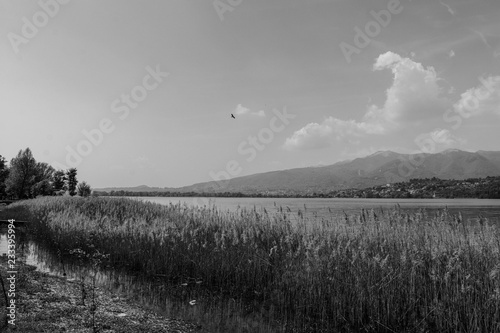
(71, 181)
(59, 181)
(43, 187)
(22, 175)
(4, 173)
(84, 189)
(43, 180)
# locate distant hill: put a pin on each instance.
(373, 170)
(492, 156)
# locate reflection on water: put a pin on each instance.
(4, 243)
(18, 245)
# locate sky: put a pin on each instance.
(141, 92)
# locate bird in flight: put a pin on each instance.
(232, 116)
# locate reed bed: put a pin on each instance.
(371, 272)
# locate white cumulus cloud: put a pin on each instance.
(480, 100)
(315, 135)
(241, 110)
(414, 98)
(415, 95)
(438, 140)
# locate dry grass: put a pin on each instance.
(394, 272)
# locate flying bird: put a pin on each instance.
(232, 116)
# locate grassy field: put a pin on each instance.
(373, 272)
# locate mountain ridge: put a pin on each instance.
(373, 170)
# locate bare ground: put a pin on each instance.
(46, 303)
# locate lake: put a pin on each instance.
(331, 207)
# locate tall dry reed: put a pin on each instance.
(372, 272)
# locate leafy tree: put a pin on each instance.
(22, 175)
(4, 173)
(43, 187)
(44, 171)
(71, 181)
(59, 181)
(43, 180)
(84, 189)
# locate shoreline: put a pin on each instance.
(47, 302)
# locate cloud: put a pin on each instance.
(445, 138)
(415, 94)
(387, 60)
(260, 113)
(311, 136)
(241, 110)
(413, 98)
(314, 135)
(480, 100)
(438, 140)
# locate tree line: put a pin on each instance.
(25, 178)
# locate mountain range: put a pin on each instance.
(377, 169)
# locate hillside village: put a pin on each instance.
(480, 188)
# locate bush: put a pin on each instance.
(84, 189)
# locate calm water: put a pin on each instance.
(4, 240)
(327, 208)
